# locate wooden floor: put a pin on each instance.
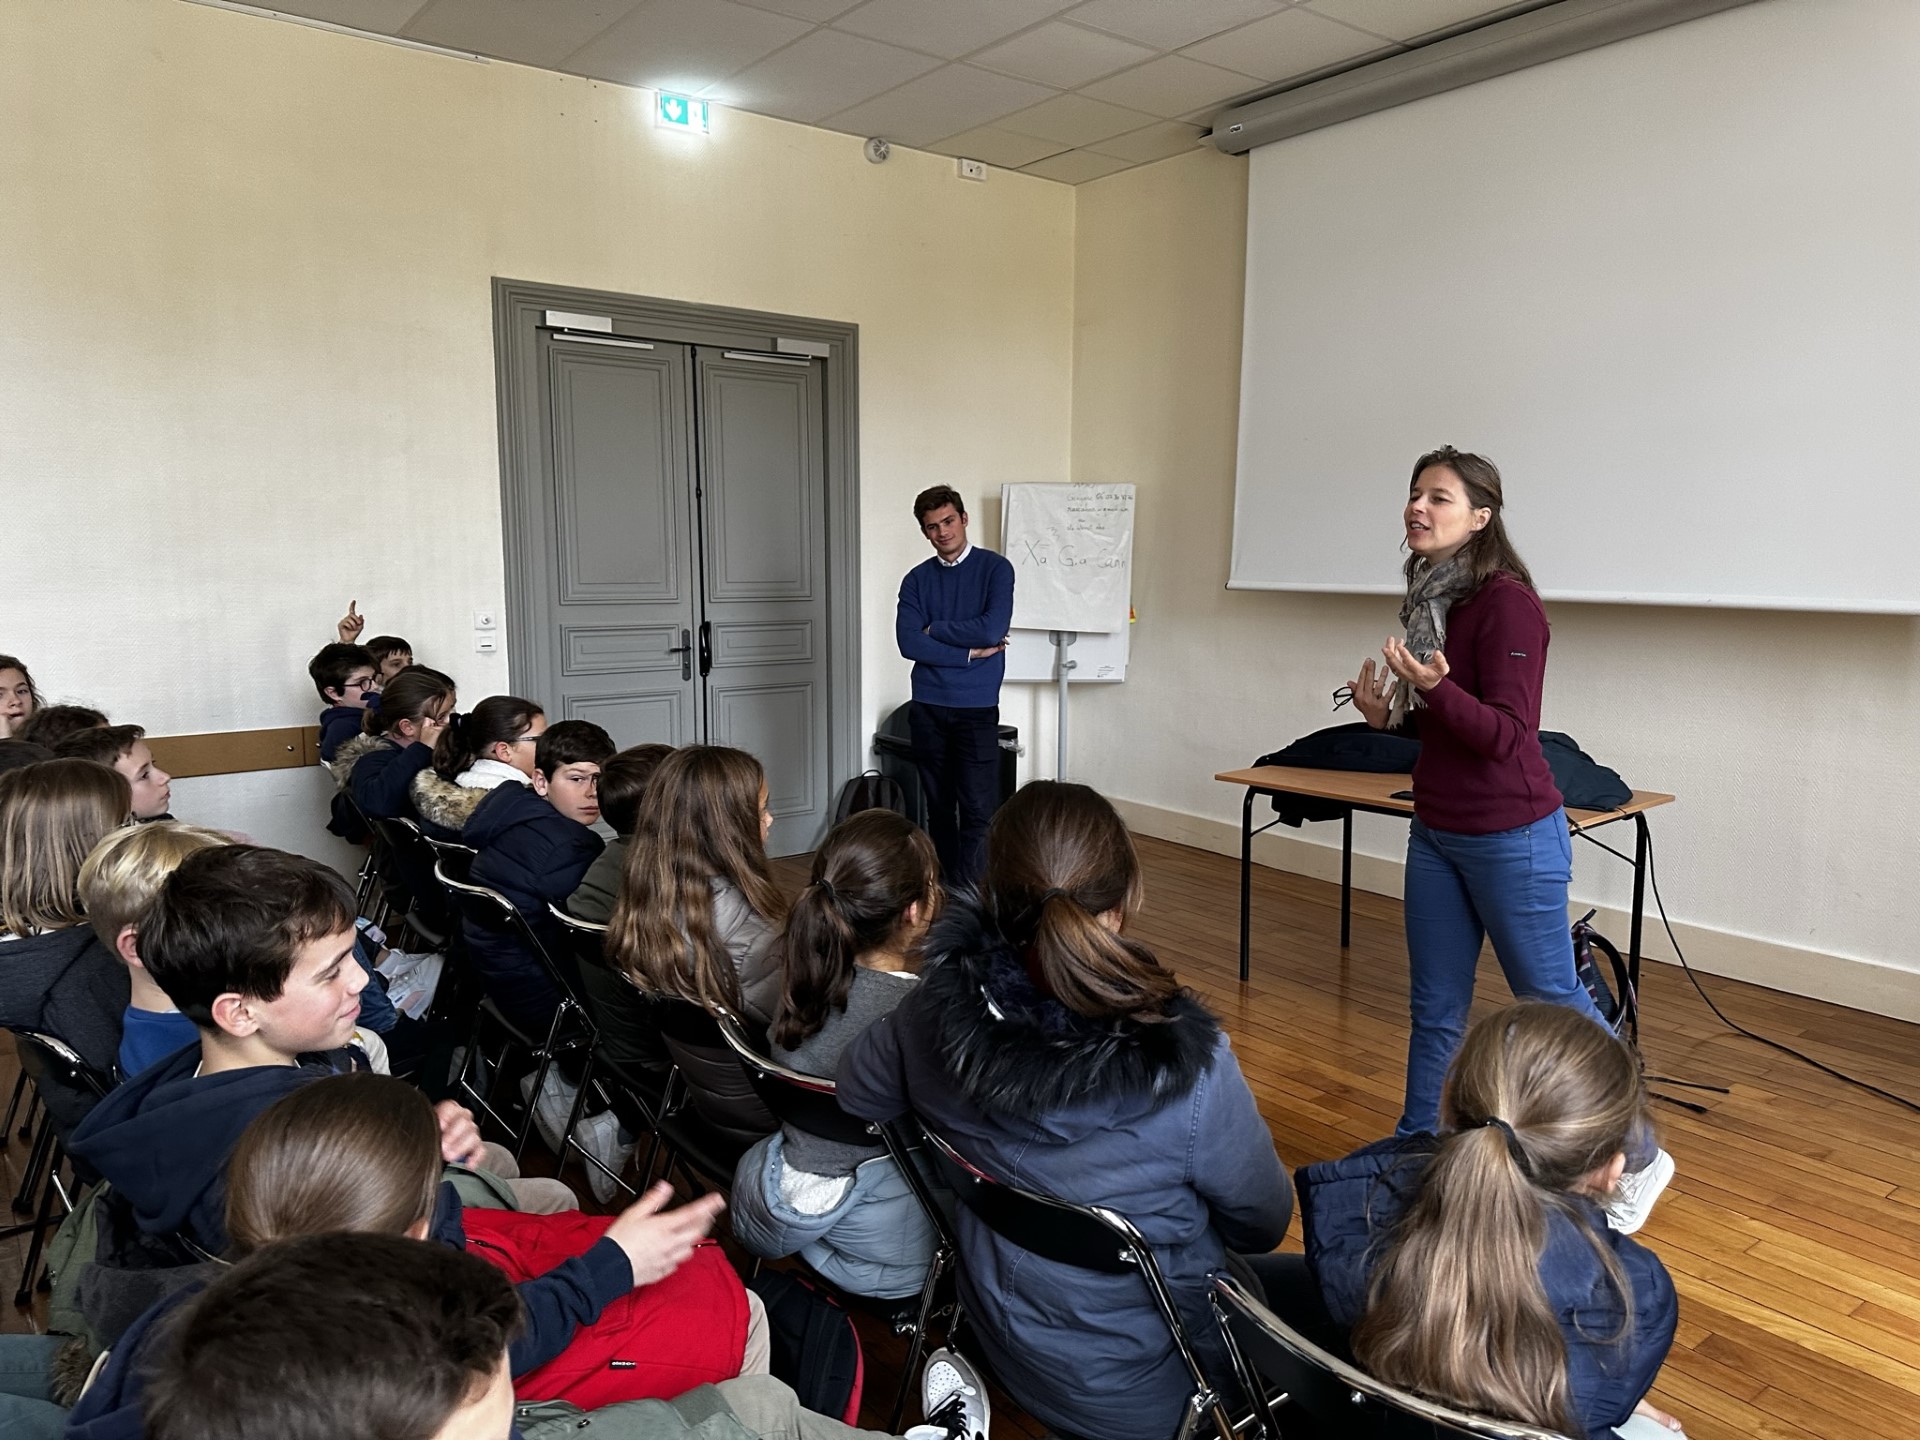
(1792, 1228)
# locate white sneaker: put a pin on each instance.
(555, 1106)
(954, 1400)
(599, 1136)
(1633, 1196)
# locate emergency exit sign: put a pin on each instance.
(680, 112)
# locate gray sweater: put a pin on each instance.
(873, 994)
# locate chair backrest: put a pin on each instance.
(1084, 1236)
(1334, 1399)
(491, 912)
(806, 1102)
(586, 938)
(49, 1058)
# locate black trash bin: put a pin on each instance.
(893, 744)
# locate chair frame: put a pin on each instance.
(1338, 1390)
(1098, 1239)
(40, 1183)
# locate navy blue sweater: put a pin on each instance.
(947, 610)
(339, 724)
(382, 778)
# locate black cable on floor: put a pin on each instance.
(1653, 876)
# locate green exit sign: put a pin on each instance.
(679, 112)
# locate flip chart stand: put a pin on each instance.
(1063, 667)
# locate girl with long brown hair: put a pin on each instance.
(1049, 1045)
(1478, 1268)
(845, 957)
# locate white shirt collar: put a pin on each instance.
(955, 563)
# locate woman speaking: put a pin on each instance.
(1489, 854)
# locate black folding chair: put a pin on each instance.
(811, 1103)
(1300, 1392)
(571, 1028)
(53, 1067)
(707, 1131)
(1087, 1237)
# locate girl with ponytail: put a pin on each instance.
(845, 1209)
(1478, 1268)
(378, 766)
(492, 745)
(1054, 1050)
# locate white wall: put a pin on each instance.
(247, 367)
(1793, 741)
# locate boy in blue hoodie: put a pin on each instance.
(344, 676)
(535, 843)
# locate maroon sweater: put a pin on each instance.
(1480, 768)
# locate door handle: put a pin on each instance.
(685, 651)
(706, 648)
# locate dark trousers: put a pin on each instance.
(958, 752)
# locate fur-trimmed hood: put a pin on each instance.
(349, 753)
(444, 803)
(1015, 1051)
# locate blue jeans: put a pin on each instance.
(1510, 886)
(26, 1363)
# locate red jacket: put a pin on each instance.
(1480, 768)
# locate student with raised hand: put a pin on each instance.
(397, 744)
(19, 696)
(1056, 1052)
(490, 746)
(1478, 1267)
(845, 1209)
(124, 748)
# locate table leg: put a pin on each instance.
(1246, 882)
(1346, 879)
(1641, 846)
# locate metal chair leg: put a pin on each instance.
(13, 1106)
(43, 1221)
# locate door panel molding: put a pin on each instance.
(617, 649)
(754, 554)
(739, 643)
(768, 719)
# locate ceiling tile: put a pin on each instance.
(946, 27)
(1169, 24)
(1294, 42)
(819, 74)
(1154, 142)
(380, 17)
(684, 44)
(945, 102)
(1063, 55)
(543, 35)
(819, 11)
(998, 147)
(1074, 166)
(1075, 120)
(1170, 86)
(1406, 19)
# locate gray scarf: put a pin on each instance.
(1430, 595)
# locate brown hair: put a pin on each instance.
(933, 497)
(1488, 550)
(872, 867)
(14, 662)
(105, 744)
(356, 1152)
(623, 780)
(1058, 858)
(50, 724)
(699, 821)
(1455, 1307)
(413, 693)
(496, 719)
(123, 874)
(51, 815)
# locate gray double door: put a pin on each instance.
(682, 584)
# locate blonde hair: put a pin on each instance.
(1539, 1097)
(51, 815)
(125, 871)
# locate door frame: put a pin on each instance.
(518, 307)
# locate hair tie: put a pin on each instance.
(827, 886)
(1056, 893)
(1514, 1147)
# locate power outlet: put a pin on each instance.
(973, 169)
(484, 643)
(484, 620)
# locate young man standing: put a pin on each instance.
(955, 611)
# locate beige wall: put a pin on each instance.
(247, 366)
(1793, 741)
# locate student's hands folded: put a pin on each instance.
(459, 1136)
(658, 1240)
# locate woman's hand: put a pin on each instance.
(1371, 691)
(1402, 662)
(1657, 1415)
(459, 1136)
(658, 1240)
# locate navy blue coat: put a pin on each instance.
(339, 724)
(535, 856)
(1155, 1121)
(382, 777)
(1350, 1206)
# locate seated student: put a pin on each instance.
(118, 882)
(254, 946)
(378, 766)
(1478, 1267)
(489, 746)
(845, 1209)
(343, 674)
(50, 724)
(19, 696)
(124, 748)
(55, 975)
(1055, 1051)
(391, 655)
(534, 845)
(623, 780)
(335, 1336)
